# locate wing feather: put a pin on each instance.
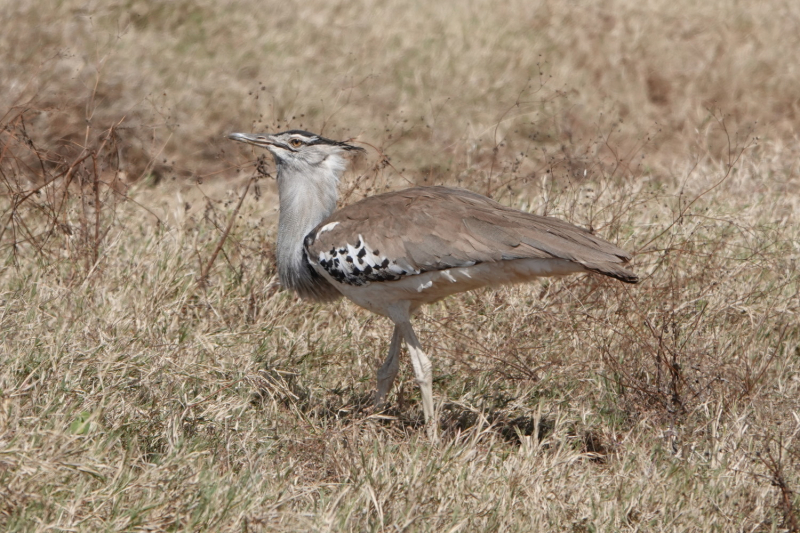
(434, 228)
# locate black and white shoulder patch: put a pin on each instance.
(357, 263)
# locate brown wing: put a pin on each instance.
(416, 230)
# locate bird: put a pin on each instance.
(392, 253)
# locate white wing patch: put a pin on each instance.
(327, 227)
(427, 285)
(360, 264)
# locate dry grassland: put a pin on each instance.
(153, 376)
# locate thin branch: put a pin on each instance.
(204, 273)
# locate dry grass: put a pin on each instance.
(152, 380)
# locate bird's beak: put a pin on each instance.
(261, 140)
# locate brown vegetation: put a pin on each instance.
(155, 377)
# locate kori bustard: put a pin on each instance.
(394, 252)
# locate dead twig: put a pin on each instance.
(201, 282)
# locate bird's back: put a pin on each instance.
(405, 233)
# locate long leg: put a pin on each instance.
(422, 370)
(388, 371)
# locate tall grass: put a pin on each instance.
(155, 377)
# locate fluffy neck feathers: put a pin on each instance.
(308, 195)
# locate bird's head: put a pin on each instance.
(299, 150)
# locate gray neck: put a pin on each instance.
(308, 195)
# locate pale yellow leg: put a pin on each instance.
(388, 370)
(424, 375)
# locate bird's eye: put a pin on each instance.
(297, 143)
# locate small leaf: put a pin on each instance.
(82, 424)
